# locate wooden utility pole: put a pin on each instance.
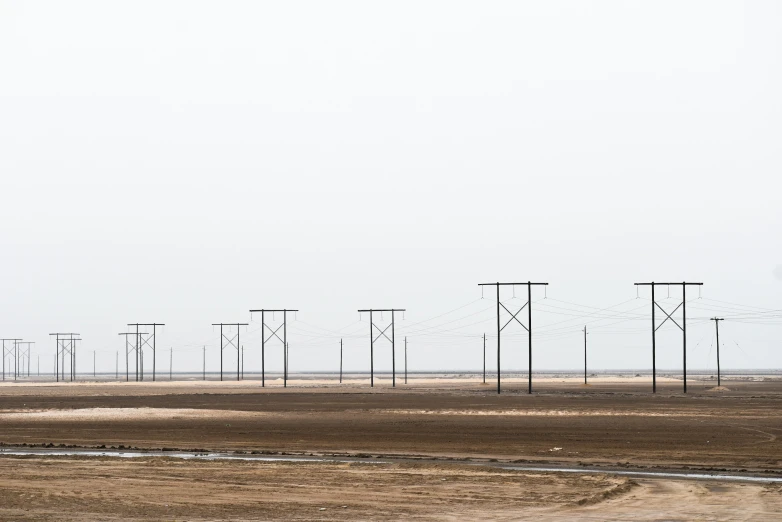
(717, 324)
(585, 354)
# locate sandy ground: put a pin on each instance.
(610, 424)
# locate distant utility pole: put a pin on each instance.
(283, 340)
(484, 358)
(372, 340)
(131, 347)
(145, 341)
(405, 359)
(21, 354)
(242, 362)
(717, 324)
(225, 342)
(682, 327)
(585, 354)
(65, 345)
(8, 352)
(204, 362)
(513, 317)
(340, 361)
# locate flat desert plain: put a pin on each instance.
(435, 449)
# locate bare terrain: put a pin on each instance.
(437, 437)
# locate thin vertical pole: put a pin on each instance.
(684, 331)
(263, 351)
(498, 338)
(529, 323)
(127, 372)
(221, 352)
(204, 356)
(116, 365)
(484, 358)
(585, 354)
(138, 350)
(654, 346)
(285, 347)
(371, 352)
(340, 361)
(393, 353)
(717, 324)
(405, 359)
(242, 361)
(239, 352)
(154, 353)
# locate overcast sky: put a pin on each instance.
(182, 162)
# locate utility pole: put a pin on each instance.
(405, 359)
(340, 361)
(242, 362)
(65, 345)
(585, 355)
(225, 342)
(149, 341)
(204, 362)
(283, 340)
(372, 340)
(513, 317)
(717, 325)
(682, 327)
(131, 348)
(116, 365)
(7, 351)
(484, 358)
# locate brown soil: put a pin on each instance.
(619, 425)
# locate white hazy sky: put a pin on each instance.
(184, 161)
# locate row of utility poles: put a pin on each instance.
(136, 341)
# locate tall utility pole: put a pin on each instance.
(585, 354)
(142, 341)
(717, 324)
(225, 342)
(513, 317)
(242, 362)
(340, 361)
(131, 347)
(484, 358)
(65, 345)
(682, 327)
(8, 352)
(372, 340)
(22, 351)
(204, 362)
(264, 340)
(405, 359)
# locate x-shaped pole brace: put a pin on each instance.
(230, 342)
(668, 316)
(383, 333)
(274, 334)
(513, 316)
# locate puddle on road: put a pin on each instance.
(22, 452)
